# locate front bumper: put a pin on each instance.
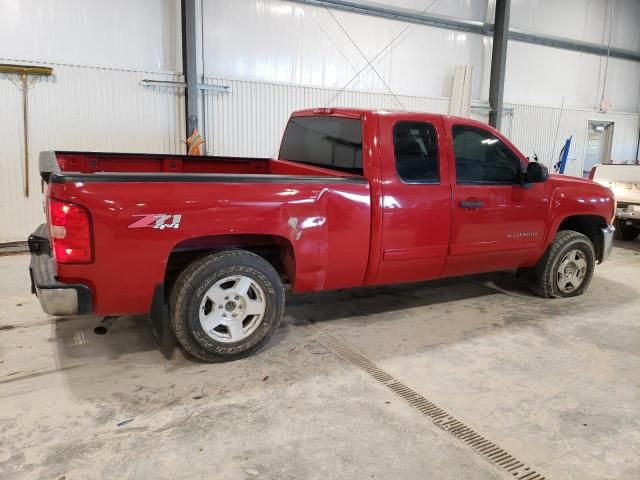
(607, 241)
(56, 298)
(628, 214)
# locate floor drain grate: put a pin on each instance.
(484, 447)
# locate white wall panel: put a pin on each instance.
(250, 120)
(625, 32)
(286, 42)
(541, 75)
(138, 34)
(80, 108)
(576, 19)
(585, 20)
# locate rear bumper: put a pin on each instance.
(607, 241)
(56, 298)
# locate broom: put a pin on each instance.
(24, 71)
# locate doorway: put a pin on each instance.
(599, 145)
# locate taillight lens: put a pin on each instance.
(70, 231)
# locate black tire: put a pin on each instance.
(544, 280)
(190, 288)
(627, 232)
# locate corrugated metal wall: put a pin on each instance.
(79, 108)
(532, 128)
(250, 120)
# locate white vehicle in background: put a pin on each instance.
(624, 182)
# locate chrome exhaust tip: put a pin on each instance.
(104, 326)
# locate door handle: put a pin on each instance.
(472, 203)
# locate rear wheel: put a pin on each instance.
(567, 267)
(226, 305)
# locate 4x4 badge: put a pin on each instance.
(157, 220)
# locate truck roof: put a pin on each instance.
(358, 112)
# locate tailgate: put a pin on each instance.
(626, 192)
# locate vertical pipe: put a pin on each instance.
(25, 129)
(189, 64)
(498, 61)
(638, 149)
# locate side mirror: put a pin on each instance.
(536, 173)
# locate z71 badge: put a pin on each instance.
(157, 220)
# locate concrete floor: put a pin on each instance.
(554, 382)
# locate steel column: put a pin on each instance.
(190, 65)
(498, 61)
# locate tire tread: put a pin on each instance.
(543, 277)
(180, 295)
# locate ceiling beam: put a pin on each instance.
(470, 26)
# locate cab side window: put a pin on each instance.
(415, 146)
(481, 158)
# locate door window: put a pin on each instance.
(415, 146)
(481, 158)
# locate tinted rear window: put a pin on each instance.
(329, 142)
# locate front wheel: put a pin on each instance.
(567, 267)
(226, 305)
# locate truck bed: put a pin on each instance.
(319, 218)
(146, 163)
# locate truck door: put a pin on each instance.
(416, 197)
(497, 223)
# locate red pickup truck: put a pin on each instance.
(355, 197)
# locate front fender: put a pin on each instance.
(572, 198)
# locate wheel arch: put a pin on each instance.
(275, 249)
(588, 225)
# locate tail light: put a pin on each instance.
(592, 173)
(70, 231)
